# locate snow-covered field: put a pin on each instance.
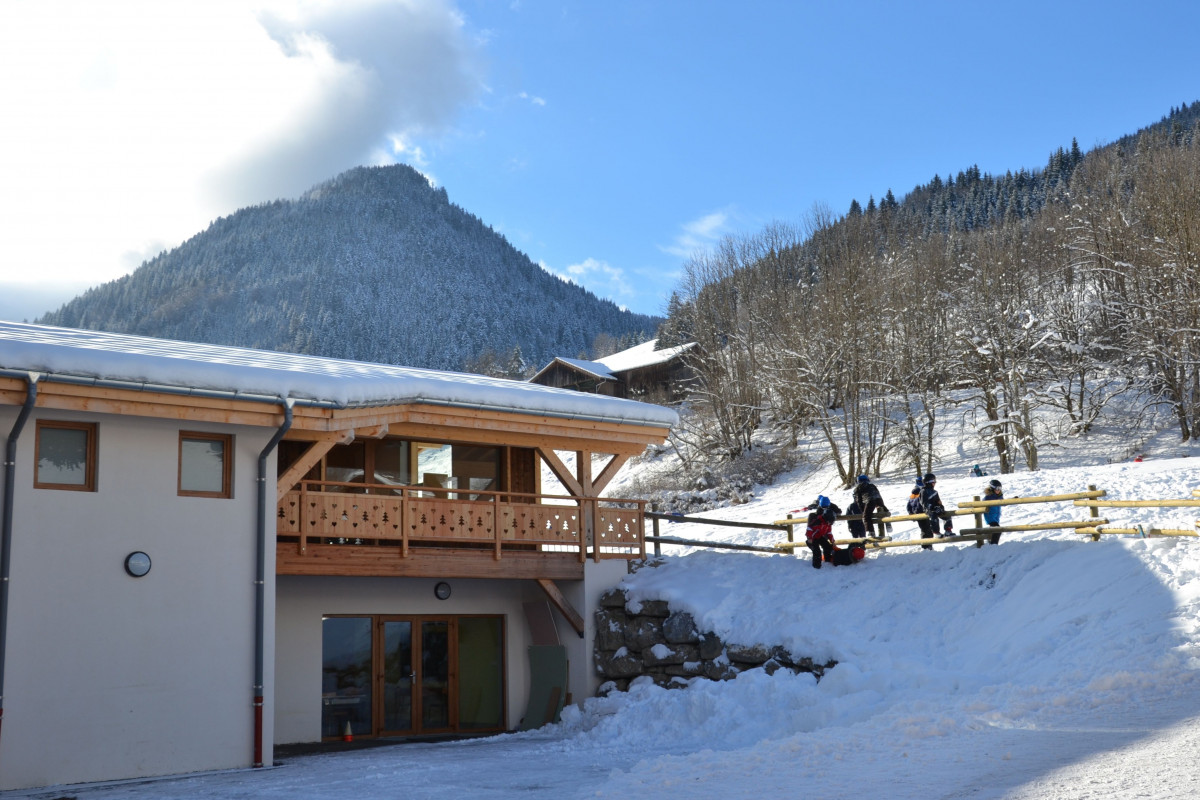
(1050, 666)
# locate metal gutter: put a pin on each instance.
(6, 522)
(260, 581)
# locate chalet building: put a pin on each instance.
(641, 372)
(209, 551)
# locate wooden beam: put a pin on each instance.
(372, 432)
(1095, 533)
(1193, 503)
(583, 471)
(562, 604)
(1047, 498)
(839, 542)
(386, 561)
(316, 451)
(561, 472)
(959, 512)
(1041, 526)
(976, 538)
(610, 471)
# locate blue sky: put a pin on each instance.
(608, 141)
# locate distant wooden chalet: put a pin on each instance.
(640, 372)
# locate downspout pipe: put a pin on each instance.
(260, 580)
(6, 522)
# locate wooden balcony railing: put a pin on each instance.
(412, 518)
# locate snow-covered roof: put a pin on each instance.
(593, 368)
(160, 362)
(642, 355)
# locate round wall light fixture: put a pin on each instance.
(442, 590)
(137, 564)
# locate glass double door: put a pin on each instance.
(405, 676)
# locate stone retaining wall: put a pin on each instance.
(666, 646)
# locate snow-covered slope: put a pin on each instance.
(1049, 666)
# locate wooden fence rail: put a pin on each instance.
(1096, 533)
(1046, 498)
(1174, 503)
(1091, 499)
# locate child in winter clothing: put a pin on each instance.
(931, 504)
(857, 528)
(819, 532)
(914, 507)
(866, 494)
(992, 515)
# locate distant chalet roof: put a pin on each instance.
(642, 355)
(67, 353)
(592, 368)
(606, 369)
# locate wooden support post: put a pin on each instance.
(1095, 512)
(302, 518)
(978, 515)
(657, 544)
(791, 531)
(404, 495)
(497, 527)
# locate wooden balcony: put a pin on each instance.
(327, 528)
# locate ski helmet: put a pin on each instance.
(994, 483)
(823, 501)
(864, 478)
(929, 477)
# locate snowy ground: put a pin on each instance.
(1050, 666)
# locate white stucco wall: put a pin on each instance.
(598, 577)
(109, 676)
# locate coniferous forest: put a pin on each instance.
(1059, 288)
(374, 265)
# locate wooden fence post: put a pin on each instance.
(1094, 511)
(657, 543)
(792, 535)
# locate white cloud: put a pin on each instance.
(599, 277)
(537, 101)
(141, 121)
(699, 234)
